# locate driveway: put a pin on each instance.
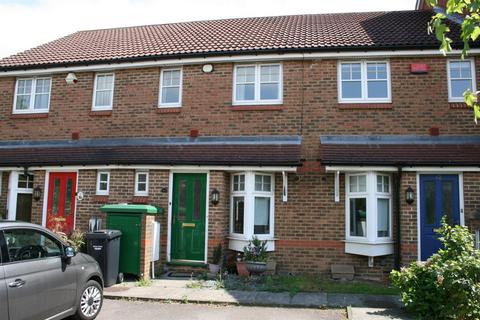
(131, 310)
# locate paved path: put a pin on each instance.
(177, 291)
(129, 310)
(379, 314)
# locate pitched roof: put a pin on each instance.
(342, 31)
(400, 150)
(252, 150)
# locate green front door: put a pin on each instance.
(188, 216)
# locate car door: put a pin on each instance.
(3, 286)
(39, 283)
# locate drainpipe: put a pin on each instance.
(398, 247)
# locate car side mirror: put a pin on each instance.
(69, 252)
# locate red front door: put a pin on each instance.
(61, 201)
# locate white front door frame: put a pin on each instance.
(460, 199)
(12, 194)
(169, 218)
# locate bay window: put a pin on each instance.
(368, 214)
(252, 208)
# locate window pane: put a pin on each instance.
(142, 177)
(103, 186)
(267, 184)
(458, 87)
(460, 69)
(103, 98)
(142, 187)
(245, 92)
(197, 199)
(24, 87)
(171, 95)
(238, 183)
(430, 201)
(245, 74)
(56, 195)
(68, 196)
(23, 102)
(376, 71)
(351, 71)
(358, 217)
(353, 184)
(269, 73)
(42, 86)
(269, 91)
(258, 182)
(362, 183)
(41, 101)
(24, 244)
(377, 89)
(383, 217)
(351, 89)
(447, 189)
(182, 198)
(238, 214)
(262, 215)
(171, 78)
(105, 82)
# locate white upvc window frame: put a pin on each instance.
(141, 193)
(180, 89)
(364, 82)
(371, 194)
(449, 79)
(31, 108)
(257, 82)
(94, 96)
(99, 191)
(249, 195)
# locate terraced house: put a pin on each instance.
(338, 138)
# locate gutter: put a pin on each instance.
(398, 238)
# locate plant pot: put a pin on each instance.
(256, 268)
(271, 267)
(242, 269)
(213, 268)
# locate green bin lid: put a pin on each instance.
(131, 208)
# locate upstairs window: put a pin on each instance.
(32, 95)
(103, 92)
(364, 82)
(103, 183)
(257, 84)
(141, 183)
(171, 88)
(460, 79)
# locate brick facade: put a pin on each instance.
(310, 227)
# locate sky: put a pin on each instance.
(25, 24)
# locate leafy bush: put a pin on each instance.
(255, 251)
(446, 286)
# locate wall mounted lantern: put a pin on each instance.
(37, 193)
(215, 197)
(409, 195)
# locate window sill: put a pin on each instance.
(169, 110)
(369, 249)
(365, 106)
(140, 199)
(458, 105)
(29, 115)
(256, 107)
(237, 243)
(100, 198)
(100, 113)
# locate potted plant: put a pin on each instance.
(241, 266)
(255, 256)
(214, 267)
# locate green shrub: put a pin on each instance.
(446, 286)
(255, 251)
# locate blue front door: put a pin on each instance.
(439, 196)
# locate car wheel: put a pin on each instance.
(90, 302)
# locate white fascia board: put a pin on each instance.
(359, 168)
(395, 169)
(157, 167)
(236, 58)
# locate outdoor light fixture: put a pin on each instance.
(207, 68)
(409, 195)
(215, 197)
(37, 193)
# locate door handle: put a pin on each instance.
(18, 283)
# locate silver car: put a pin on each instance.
(41, 277)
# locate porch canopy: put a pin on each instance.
(225, 151)
(400, 150)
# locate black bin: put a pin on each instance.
(104, 246)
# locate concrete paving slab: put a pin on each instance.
(379, 314)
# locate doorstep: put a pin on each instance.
(177, 291)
